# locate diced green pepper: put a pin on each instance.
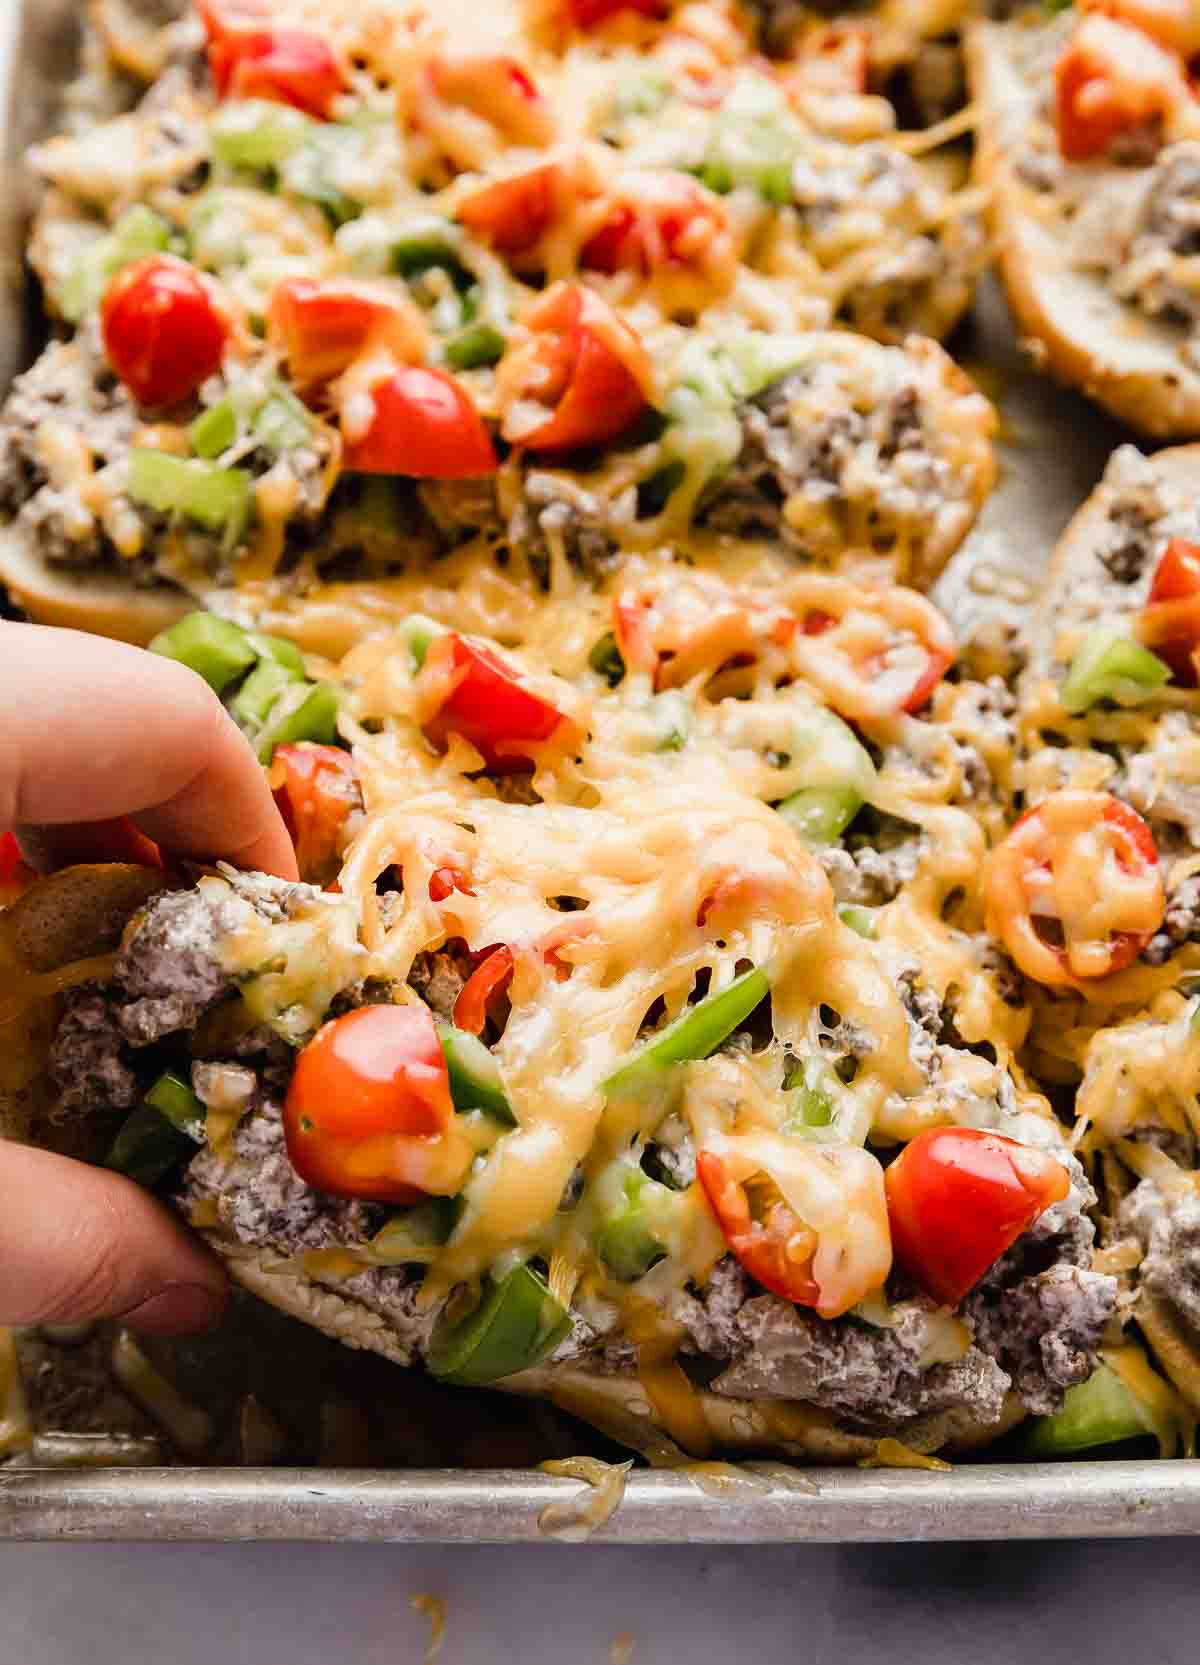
(752, 361)
(606, 660)
(312, 170)
(219, 227)
(474, 1074)
(173, 1098)
(672, 719)
(418, 632)
(819, 815)
(812, 1102)
(1100, 1411)
(641, 94)
(694, 1034)
(414, 1237)
(432, 245)
(516, 1325)
(218, 650)
(214, 430)
(1109, 666)
(300, 714)
(252, 704)
(279, 649)
(754, 141)
(253, 133)
(216, 498)
(476, 346)
(282, 422)
(858, 919)
(137, 233)
(148, 1147)
(623, 1239)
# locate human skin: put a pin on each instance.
(93, 730)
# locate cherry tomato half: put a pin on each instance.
(1170, 621)
(163, 331)
(418, 422)
(1074, 890)
(870, 653)
(1174, 24)
(1109, 80)
(776, 1249)
(322, 326)
(474, 693)
(487, 980)
(513, 215)
(249, 58)
(693, 622)
(582, 368)
(659, 218)
(498, 90)
(317, 790)
(958, 1198)
(590, 14)
(369, 1114)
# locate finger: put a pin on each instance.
(97, 729)
(79, 1243)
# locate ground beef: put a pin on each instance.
(870, 877)
(439, 978)
(1181, 922)
(926, 1021)
(1167, 1224)
(87, 1063)
(556, 512)
(1041, 1312)
(462, 509)
(167, 973)
(869, 1375)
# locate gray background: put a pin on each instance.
(278, 1604)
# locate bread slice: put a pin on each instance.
(1081, 332)
(105, 603)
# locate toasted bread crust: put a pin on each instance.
(1079, 332)
(106, 604)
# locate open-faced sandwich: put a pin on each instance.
(648, 1053)
(410, 283)
(1089, 145)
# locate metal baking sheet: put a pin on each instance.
(1052, 448)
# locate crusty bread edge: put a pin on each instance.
(1067, 316)
(106, 604)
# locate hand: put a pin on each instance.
(92, 730)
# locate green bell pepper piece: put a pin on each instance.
(281, 422)
(474, 1074)
(754, 141)
(477, 345)
(641, 94)
(812, 1099)
(1109, 666)
(218, 499)
(516, 1325)
(311, 171)
(214, 430)
(252, 704)
(694, 1034)
(418, 632)
(623, 1239)
(672, 720)
(278, 649)
(858, 919)
(606, 659)
(173, 1098)
(148, 1147)
(299, 713)
(137, 233)
(820, 814)
(1100, 1411)
(414, 1237)
(254, 133)
(218, 650)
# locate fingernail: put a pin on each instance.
(179, 1309)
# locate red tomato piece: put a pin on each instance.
(317, 790)
(482, 698)
(958, 1198)
(444, 881)
(1170, 621)
(249, 58)
(486, 981)
(1174, 24)
(659, 219)
(499, 90)
(15, 876)
(513, 215)
(589, 14)
(776, 1249)
(834, 60)
(1111, 80)
(369, 1097)
(1074, 891)
(584, 367)
(419, 422)
(323, 325)
(163, 331)
(870, 653)
(694, 623)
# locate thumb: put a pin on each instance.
(79, 1242)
